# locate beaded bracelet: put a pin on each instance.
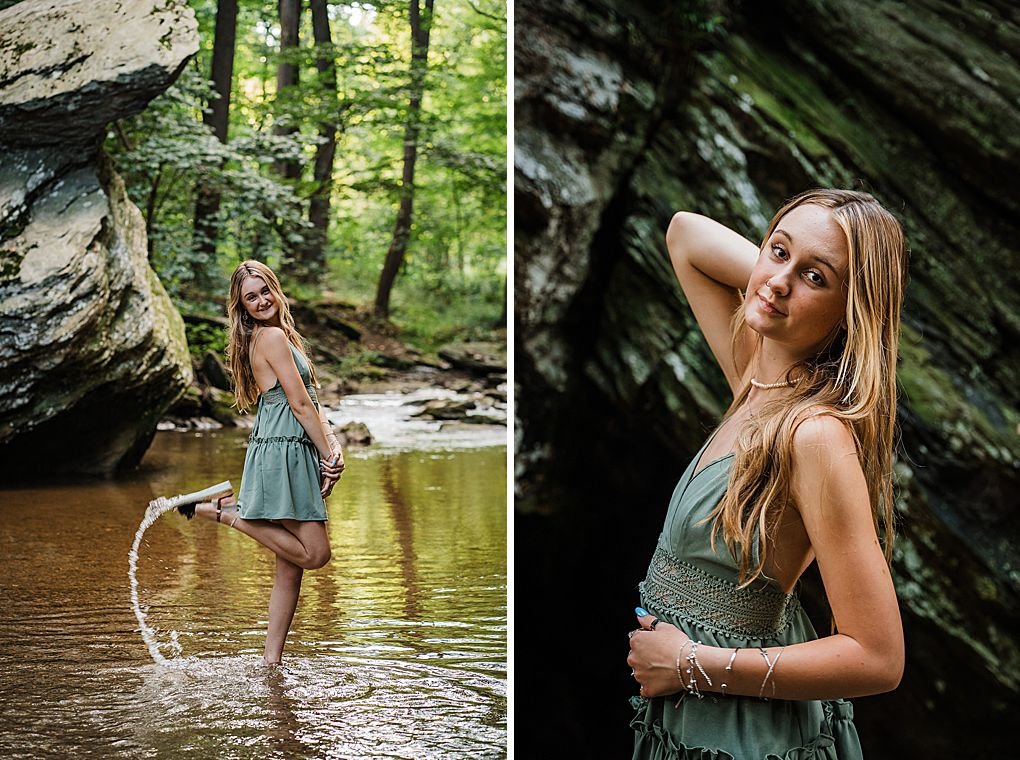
(692, 662)
(693, 656)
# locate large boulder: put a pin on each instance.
(91, 349)
(627, 112)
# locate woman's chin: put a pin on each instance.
(757, 323)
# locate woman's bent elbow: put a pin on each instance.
(302, 408)
(678, 236)
(890, 676)
(675, 230)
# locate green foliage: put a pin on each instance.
(165, 152)
(203, 337)
(361, 366)
(456, 259)
(428, 326)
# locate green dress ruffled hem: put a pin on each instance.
(835, 739)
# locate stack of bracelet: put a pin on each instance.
(690, 684)
(692, 662)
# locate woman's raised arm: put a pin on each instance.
(712, 262)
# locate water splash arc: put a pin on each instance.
(156, 509)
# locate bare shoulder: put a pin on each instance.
(825, 466)
(817, 432)
(269, 339)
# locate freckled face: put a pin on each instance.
(257, 299)
(797, 292)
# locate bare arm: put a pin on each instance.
(276, 351)
(712, 262)
(330, 470)
(327, 430)
(867, 655)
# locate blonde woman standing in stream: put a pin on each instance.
(805, 330)
(293, 458)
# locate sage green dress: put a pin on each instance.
(281, 468)
(695, 589)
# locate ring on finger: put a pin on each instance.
(651, 626)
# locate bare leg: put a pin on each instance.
(282, 603)
(304, 544)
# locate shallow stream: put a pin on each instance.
(398, 648)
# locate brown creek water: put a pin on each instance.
(398, 648)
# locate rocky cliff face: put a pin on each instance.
(626, 113)
(91, 349)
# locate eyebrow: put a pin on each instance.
(816, 256)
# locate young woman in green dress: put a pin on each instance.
(799, 470)
(293, 458)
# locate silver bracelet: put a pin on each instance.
(692, 660)
(680, 675)
(692, 681)
(729, 667)
(769, 663)
(695, 658)
(772, 665)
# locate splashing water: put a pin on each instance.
(156, 509)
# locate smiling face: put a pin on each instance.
(797, 292)
(258, 300)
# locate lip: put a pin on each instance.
(768, 308)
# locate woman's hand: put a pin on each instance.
(331, 470)
(653, 654)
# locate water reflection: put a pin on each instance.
(398, 648)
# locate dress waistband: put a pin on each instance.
(275, 395)
(675, 588)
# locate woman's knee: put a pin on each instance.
(318, 557)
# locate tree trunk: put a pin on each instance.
(207, 199)
(287, 77)
(420, 27)
(318, 207)
(150, 213)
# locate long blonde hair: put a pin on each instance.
(852, 378)
(243, 327)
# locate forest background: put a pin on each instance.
(318, 138)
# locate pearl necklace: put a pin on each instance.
(767, 386)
